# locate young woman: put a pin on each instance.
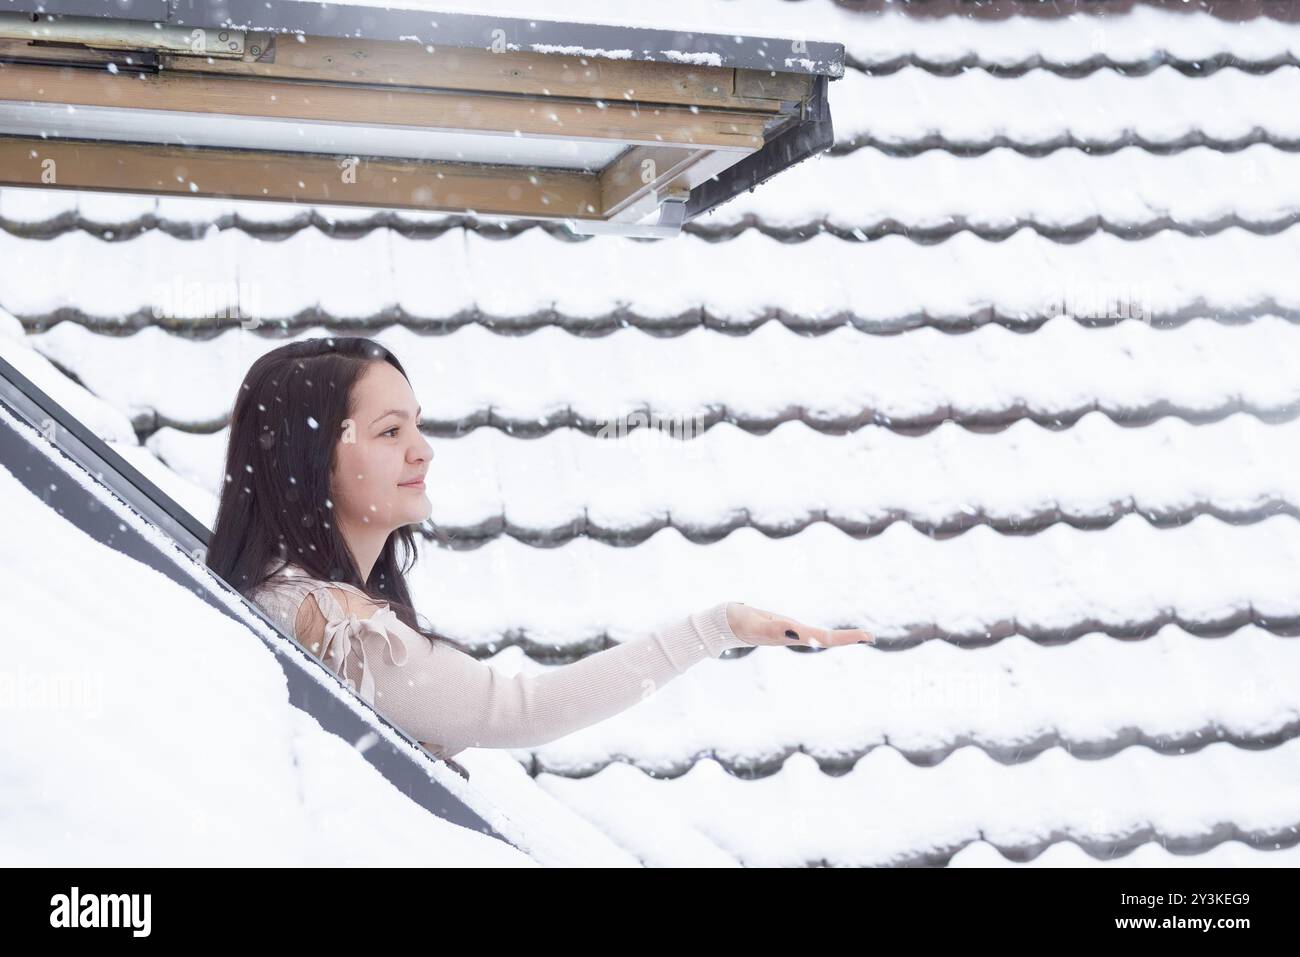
(324, 486)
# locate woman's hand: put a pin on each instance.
(760, 627)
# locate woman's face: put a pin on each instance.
(380, 449)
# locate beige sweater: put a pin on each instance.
(449, 700)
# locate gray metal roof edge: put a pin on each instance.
(782, 55)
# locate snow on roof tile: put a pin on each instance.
(455, 278)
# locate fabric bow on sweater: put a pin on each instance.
(341, 633)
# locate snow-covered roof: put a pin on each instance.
(1006, 377)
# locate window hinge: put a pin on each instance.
(216, 42)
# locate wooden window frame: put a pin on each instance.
(678, 124)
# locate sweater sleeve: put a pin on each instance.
(449, 700)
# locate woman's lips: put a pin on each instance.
(419, 484)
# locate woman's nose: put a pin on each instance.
(423, 450)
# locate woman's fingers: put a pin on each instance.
(761, 627)
(826, 638)
(849, 636)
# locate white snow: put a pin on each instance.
(975, 107)
(1059, 372)
(100, 417)
(696, 59)
(1000, 189)
(888, 811)
(898, 584)
(1070, 854)
(881, 285)
(948, 477)
(1014, 697)
(576, 50)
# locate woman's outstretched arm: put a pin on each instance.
(442, 696)
(450, 700)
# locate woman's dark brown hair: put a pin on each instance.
(275, 502)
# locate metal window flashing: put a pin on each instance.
(395, 22)
(812, 134)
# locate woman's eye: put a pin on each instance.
(393, 429)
